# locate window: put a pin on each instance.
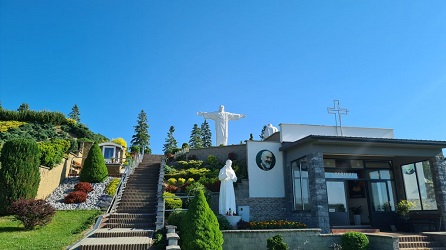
(419, 186)
(301, 186)
(109, 154)
(382, 187)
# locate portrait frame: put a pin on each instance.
(259, 159)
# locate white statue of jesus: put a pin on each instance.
(226, 201)
(221, 119)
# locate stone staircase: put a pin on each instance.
(131, 222)
(419, 242)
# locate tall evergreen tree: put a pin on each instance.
(195, 137)
(263, 131)
(206, 135)
(171, 143)
(75, 114)
(19, 174)
(141, 138)
(23, 107)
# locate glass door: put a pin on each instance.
(337, 203)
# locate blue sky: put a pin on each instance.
(275, 61)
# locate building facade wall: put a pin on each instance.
(220, 152)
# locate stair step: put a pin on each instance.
(129, 220)
(127, 225)
(122, 232)
(116, 243)
(413, 238)
(126, 215)
(421, 244)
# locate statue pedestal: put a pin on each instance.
(233, 220)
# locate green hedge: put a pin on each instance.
(44, 117)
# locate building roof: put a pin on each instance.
(362, 140)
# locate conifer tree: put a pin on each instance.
(206, 135)
(23, 107)
(202, 226)
(19, 172)
(94, 169)
(263, 131)
(75, 114)
(195, 137)
(141, 138)
(171, 143)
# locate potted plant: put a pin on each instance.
(403, 208)
(356, 211)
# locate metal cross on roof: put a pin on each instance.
(337, 111)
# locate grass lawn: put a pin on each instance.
(66, 228)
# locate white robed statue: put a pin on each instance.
(221, 119)
(226, 200)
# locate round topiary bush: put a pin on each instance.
(75, 197)
(19, 172)
(354, 241)
(84, 187)
(94, 169)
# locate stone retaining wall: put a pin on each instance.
(295, 239)
(308, 239)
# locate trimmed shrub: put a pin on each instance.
(171, 188)
(94, 169)
(112, 186)
(203, 229)
(213, 162)
(181, 181)
(172, 181)
(190, 173)
(189, 164)
(276, 243)
(172, 203)
(75, 197)
(160, 240)
(223, 222)
(19, 172)
(32, 212)
(354, 241)
(84, 187)
(175, 219)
